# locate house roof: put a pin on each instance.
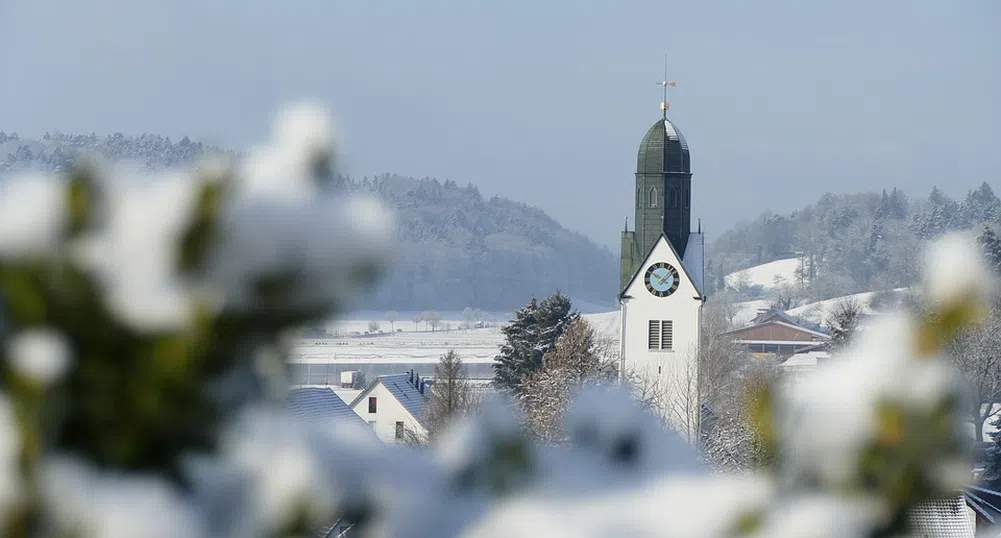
(317, 403)
(783, 323)
(401, 387)
(943, 518)
(985, 502)
(691, 275)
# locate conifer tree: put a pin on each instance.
(991, 245)
(529, 336)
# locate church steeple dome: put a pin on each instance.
(663, 188)
(663, 149)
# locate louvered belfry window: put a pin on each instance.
(666, 334)
(661, 335)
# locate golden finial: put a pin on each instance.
(664, 105)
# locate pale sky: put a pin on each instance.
(542, 102)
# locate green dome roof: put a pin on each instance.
(663, 149)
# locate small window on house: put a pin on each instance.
(653, 196)
(661, 335)
(372, 404)
(399, 430)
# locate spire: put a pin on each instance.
(664, 105)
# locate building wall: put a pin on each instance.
(775, 331)
(389, 410)
(676, 370)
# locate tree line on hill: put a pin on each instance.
(851, 243)
(456, 248)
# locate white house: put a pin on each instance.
(393, 405)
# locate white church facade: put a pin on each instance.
(661, 280)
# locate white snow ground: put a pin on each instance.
(319, 361)
(767, 275)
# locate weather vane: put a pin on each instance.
(664, 105)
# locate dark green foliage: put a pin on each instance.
(135, 401)
(529, 336)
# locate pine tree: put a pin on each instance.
(991, 245)
(529, 336)
(981, 205)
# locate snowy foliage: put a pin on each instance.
(577, 359)
(850, 243)
(452, 395)
(38, 355)
(530, 335)
(167, 421)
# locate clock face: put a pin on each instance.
(661, 279)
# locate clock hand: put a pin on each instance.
(661, 280)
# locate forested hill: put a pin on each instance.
(456, 248)
(853, 242)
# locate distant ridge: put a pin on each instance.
(456, 248)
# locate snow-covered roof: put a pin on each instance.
(319, 404)
(405, 391)
(807, 359)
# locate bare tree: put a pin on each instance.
(451, 394)
(709, 404)
(578, 357)
(416, 318)
(391, 317)
(373, 326)
(433, 319)
(842, 321)
(977, 352)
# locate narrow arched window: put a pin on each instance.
(688, 198)
(653, 196)
(639, 198)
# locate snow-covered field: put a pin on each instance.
(767, 275)
(321, 360)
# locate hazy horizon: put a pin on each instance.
(780, 101)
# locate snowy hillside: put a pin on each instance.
(767, 275)
(819, 311)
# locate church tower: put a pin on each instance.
(663, 196)
(662, 272)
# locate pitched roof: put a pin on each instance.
(985, 502)
(943, 518)
(795, 326)
(405, 391)
(694, 261)
(318, 404)
(687, 271)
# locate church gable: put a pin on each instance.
(661, 264)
